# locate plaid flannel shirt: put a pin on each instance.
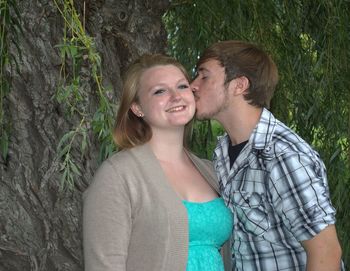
(277, 190)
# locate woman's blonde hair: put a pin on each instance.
(131, 130)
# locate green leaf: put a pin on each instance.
(74, 168)
(84, 142)
(65, 138)
(334, 155)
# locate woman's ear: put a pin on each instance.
(136, 109)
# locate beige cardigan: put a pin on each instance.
(132, 219)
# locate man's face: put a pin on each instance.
(209, 90)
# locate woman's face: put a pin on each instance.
(165, 98)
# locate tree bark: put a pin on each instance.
(40, 225)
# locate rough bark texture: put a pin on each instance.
(40, 226)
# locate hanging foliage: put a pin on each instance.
(309, 41)
(10, 28)
(79, 48)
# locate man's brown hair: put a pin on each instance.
(245, 59)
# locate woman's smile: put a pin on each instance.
(176, 109)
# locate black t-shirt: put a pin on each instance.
(234, 151)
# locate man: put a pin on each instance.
(273, 181)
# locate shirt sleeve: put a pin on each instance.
(106, 221)
(300, 195)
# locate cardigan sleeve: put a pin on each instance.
(106, 221)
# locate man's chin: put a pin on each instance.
(201, 116)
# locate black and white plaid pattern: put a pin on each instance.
(277, 190)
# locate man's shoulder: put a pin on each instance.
(287, 148)
(278, 133)
(284, 144)
(286, 141)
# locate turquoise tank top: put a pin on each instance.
(210, 225)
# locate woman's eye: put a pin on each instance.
(184, 86)
(159, 91)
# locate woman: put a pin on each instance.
(154, 205)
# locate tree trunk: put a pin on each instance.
(40, 225)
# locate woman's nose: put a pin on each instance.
(175, 95)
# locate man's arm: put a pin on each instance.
(304, 204)
(323, 251)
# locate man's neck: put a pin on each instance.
(239, 124)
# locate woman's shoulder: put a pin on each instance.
(204, 166)
(121, 170)
(198, 160)
(111, 169)
(122, 162)
(119, 158)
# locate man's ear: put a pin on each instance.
(240, 85)
(136, 109)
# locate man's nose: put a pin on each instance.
(194, 86)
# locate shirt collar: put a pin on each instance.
(263, 131)
(261, 136)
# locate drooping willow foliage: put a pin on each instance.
(10, 29)
(309, 41)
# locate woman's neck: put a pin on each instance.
(168, 146)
